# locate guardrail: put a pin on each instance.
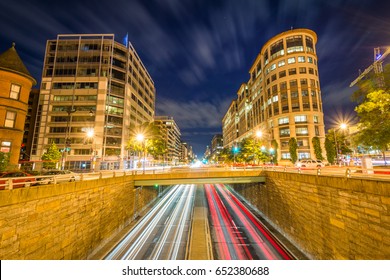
(348, 172)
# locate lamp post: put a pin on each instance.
(341, 126)
(67, 143)
(90, 135)
(141, 138)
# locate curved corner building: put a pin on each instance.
(283, 96)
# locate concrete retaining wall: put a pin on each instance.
(66, 221)
(327, 217)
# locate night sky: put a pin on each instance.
(198, 52)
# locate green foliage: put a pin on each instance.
(330, 150)
(154, 142)
(374, 123)
(51, 157)
(317, 148)
(4, 161)
(293, 147)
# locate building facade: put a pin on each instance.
(15, 86)
(282, 97)
(172, 136)
(94, 90)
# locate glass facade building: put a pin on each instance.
(94, 90)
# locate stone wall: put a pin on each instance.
(66, 221)
(326, 217)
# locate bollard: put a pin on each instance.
(299, 170)
(285, 169)
(348, 173)
(100, 175)
(81, 177)
(319, 171)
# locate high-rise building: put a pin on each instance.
(15, 87)
(94, 91)
(282, 97)
(171, 131)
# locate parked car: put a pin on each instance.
(57, 176)
(20, 179)
(309, 163)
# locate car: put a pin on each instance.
(20, 179)
(57, 176)
(309, 163)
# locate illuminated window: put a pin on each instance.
(281, 63)
(283, 120)
(300, 119)
(301, 131)
(285, 155)
(5, 146)
(291, 60)
(15, 91)
(10, 119)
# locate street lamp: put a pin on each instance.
(90, 135)
(342, 126)
(141, 138)
(67, 143)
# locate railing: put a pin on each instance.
(346, 171)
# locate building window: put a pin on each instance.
(301, 130)
(286, 156)
(291, 60)
(284, 132)
(301, 59)
(10, 118)
(302, 70)
(282, 74)
(304, 155)
(14, 92)
(294, 94)
(315, 119)
(300, 119)
(292, 71)
(282, 121)
(311, 71)
(309, 59)
(294, 44)
(317, 130)
(281, 63)
(5, 146)
(303, 82)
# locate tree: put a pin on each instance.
(317, 148)
(4, 161)
(293, 147)
(51, 157)
(154, 143)
(330, 150)
(374, 114)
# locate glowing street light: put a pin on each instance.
(342, 126)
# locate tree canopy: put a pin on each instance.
(374, 114)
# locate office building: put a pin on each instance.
(94, 91)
